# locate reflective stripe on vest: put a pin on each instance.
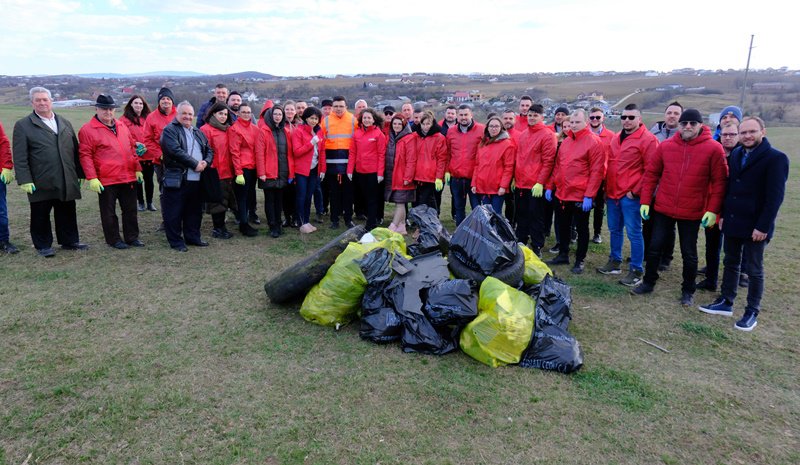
(340, 136)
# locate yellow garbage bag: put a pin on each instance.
(535, 268)
(502, 330)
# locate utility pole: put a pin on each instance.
(746, 70)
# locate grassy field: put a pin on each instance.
(149, 356)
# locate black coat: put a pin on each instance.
(174, 148)
(755, 191)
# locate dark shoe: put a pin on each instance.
(744, 280)
(721, 306)
(687, 299)
(200, 243)
(151, 208)
(296, 224)
(361, 217)
(597, 239)
(702, 270)
(349, 224)
(537, 251)
(8, 247)
(180, 248)
(75, 246)
(707, 285)
(141, 207)
(334, 225)
(160, 227)
(275, 233)
(119, 245)
(664, 266)
(255, 219)
(247, 230)
(48, 252)
(136, 243)
(632, 279)
(319, 219)
(555, 249)
(285, 223)
(559, 260)
(612, 267)
(221, 233)
(578, 268)
(642, 289)
(748, 321)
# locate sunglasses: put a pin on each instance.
(689, 123)
(388, 113)
(595, 117)
(630, 117)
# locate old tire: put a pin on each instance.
(511, 274)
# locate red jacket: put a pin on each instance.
(303, 150)
(242, 136)
(627, 161)
(6, 161)
(495, 166)
(153, 126)
(431, 156)
(367, 151)
(535, 156)
(461, 150)
(579, 166)
(109, 157)
(522, 123)
(218, 140)
(136, 130)
(606, 135)
(405, 164)
(690, 176)
(266, 153)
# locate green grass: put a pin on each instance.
(151, 357)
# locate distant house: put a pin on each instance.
(393, 80)
(129, 90)
(72, 103)
(459, 96)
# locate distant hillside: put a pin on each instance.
(248, 75)
(153, 73)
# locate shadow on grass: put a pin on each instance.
(704, 331)
(623, 388)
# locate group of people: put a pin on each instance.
(679, 173)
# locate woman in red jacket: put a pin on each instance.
(430, 151)
(399, 171)
(290, 218)
(218, 121)
(308, 153)
(274, 166)
(133, 116)
(242, 136)
(494, 165)
(366, 161)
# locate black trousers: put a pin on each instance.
(341, 190)
(599, 207)
(289, 202)
(744, 256)
(573, 211)
(125, 194)
(530, 213)
(145, 190)
(273, 203)
(367, 184)
(246, 207)
(66, 223)
(380, 200)
(663, 229)
(669, 246)
(426, 195)
(182, 212)
(713, 247)
(251, 191)
(511, 207)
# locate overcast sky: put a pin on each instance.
(311, 37)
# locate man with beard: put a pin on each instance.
(449, 119)
(558, 119)
(339, 129)
(234, 102)
(154, 124)
(596, 120)
(462, 148)
(220, 95)
(521, 122)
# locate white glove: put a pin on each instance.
(321, 177)
(350, 176)
(314, 140)
(380, 179)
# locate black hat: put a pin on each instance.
(388, 109)
(165, 92)
(690, 114)
(105, 101)
(562, 110)
(326, 103)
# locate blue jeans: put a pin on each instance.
(4, 234)
(496, 201)
(306, 185)
(460, 190)
(621, 213)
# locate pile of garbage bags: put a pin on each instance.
(501, 305)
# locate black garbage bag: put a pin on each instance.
(419, 335)
(452, 302)
(484, 242)
(432, 235)
(554, 301)
(379, 322)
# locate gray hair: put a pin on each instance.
(359, 101)
(185, 103)
(40, 90)
(579, 111)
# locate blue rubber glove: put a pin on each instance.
(291, 180)
(140, 149)
(587, 204)
(548, 195)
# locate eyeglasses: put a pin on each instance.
(595, 117)
(689, 123)
(729, 134)
(495, 126)
(630, 117)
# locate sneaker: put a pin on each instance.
(559, 260)
(275, 233)
(642, 288)
(119, 245)
(255, 219)
(612, 267)
(687, 299)
(306, 229)
(578, 267)
(136, 243)
(151, 208)
(748, 321)
(141, 207)
(721, 306)
(597, 239)
(707, 285)
(47, 252)
(744, 280)
(8, 247)
(319, 218)
(555, 249)
(632, 279)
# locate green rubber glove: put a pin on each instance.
(709, 220)
(538, 190)
(6, 176)
(439, 185)
(447, 178)
(240, 180)
(95, 186)
(139, 177)
(28, 188)
(513, 185)
(644, 210)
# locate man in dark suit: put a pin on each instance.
(45, 151)
(755, 191)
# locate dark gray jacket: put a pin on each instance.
(174, 148)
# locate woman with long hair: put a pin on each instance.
(494, 165)
(242, 137)
(291, 121)
(217, 122)
(274, 165)
(552, 212)
(134, 116)
(308, 153)
(399, 171)
(430, 151)
(366, 162)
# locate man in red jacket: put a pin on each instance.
(596, 122)
(580, 168)
(690, 172)
(154, 124)
(108, 157)
(521, 121)
(462, 147)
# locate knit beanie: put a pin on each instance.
(737, 112)
(691, 114)
(165, 92)
(562, 110)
